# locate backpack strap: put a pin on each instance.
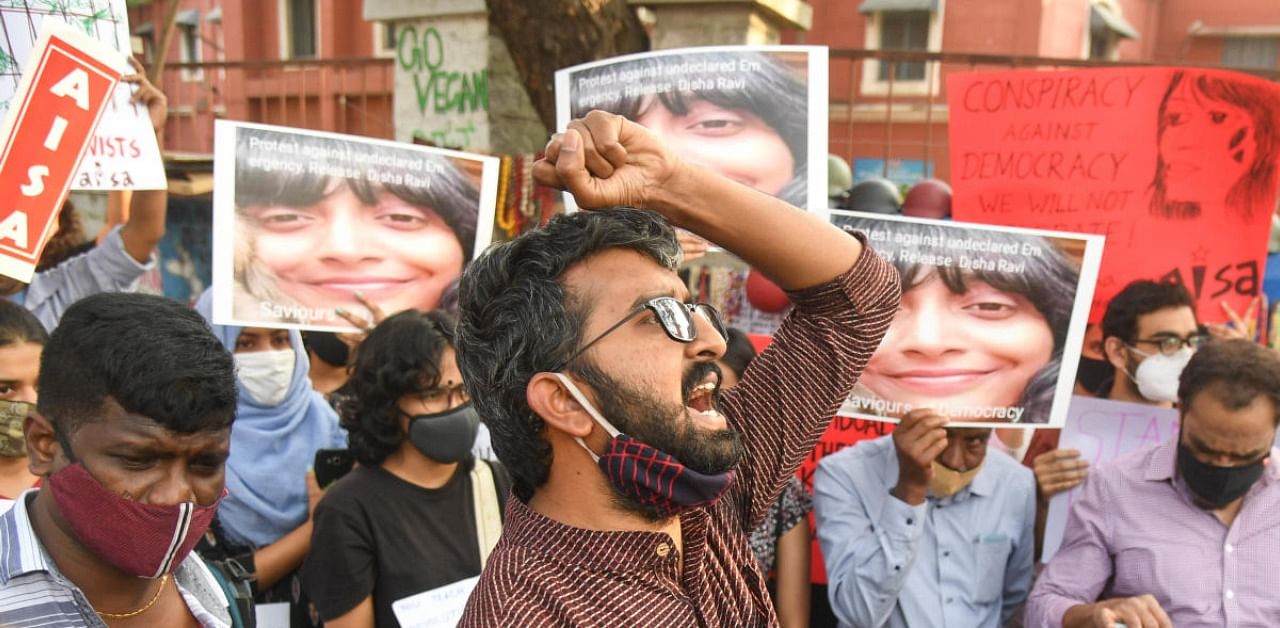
(484, 494)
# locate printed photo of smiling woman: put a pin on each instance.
(742, 112)
(306, 223)
(986, 316)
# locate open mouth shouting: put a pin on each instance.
(702, 395)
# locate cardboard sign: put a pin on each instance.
(45, 134)
(1175, 166)
(441, 607)
(1103, 430)
(755, 114)
(123, 153)
(304, 220)
(990, 325)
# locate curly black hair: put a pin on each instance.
(401, 356)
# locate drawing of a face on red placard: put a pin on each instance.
(1217, 148)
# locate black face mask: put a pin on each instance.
(445, 436)
(1092, 373)
(327, 347)
(1217, 486)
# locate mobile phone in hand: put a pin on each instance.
(332, 464)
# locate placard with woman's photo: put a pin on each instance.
(990, 326)
(307, 223)
(755, 114)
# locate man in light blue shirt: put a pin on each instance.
(923, 528)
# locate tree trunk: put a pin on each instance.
(547, 35)
(162, 51)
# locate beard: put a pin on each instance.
(664, 426)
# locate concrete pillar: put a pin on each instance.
(682, 23)
(455, 83)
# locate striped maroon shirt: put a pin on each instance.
(545, 573)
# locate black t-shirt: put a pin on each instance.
(378, 534)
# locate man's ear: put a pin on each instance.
(1116, 352)
(44, 452)
(549, 399)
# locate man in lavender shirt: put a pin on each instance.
(1186, 533)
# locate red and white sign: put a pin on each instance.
(1177, 167)
(64, 90)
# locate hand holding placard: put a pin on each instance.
(1059, 470)
(918, 441)
(149, 96)
(1103, 430)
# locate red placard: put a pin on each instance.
(1175, 166)
(63, 92)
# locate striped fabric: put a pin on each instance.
(544, 573)
(34, 594)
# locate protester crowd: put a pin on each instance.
(165, 470)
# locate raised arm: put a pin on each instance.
(144, 228)
(844, 297)
(606, 160)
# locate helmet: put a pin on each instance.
(839, 176)
(875, 195)
(929, 198)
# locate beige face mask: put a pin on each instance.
(947, 481)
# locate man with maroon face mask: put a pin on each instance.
(635, 481)
(130, 438)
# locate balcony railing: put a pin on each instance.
(344, 95)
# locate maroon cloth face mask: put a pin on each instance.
(654, 478)
(143, 540)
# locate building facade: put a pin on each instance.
(888, 111)
(314, 64)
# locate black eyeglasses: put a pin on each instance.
(1169, 345)
(453, 394)
(675, 317)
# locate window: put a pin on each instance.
(143, 42)
(190, 45)
(902, 25)
(299, 28)
(189, 50)
(1258, 53)
(1107, 27)
(1102, 46)
(904, 30)
(384, 39)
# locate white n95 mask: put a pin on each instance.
(265, 375)
(1158, 375)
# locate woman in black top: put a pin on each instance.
(411, 517)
